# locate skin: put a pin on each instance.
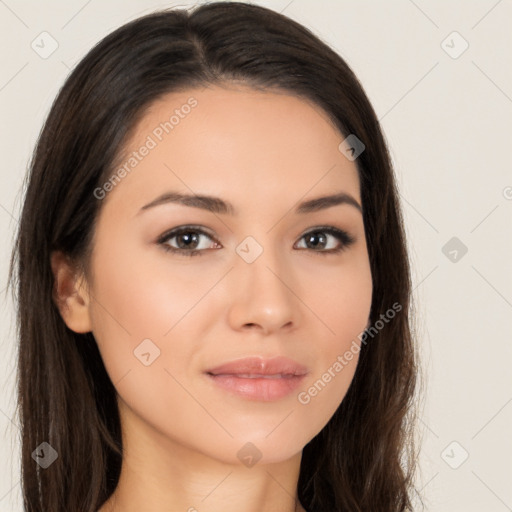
(263, 152)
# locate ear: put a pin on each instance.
(70, 293)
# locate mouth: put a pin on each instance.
(259, 379)
(252, 376)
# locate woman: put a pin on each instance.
(212, 278)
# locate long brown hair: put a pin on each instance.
(364, 459)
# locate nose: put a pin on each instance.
(263, 296)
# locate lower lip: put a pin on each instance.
(265, 390)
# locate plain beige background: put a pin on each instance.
(436, 74)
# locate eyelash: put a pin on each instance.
(345, 239)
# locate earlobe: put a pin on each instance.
(70, 294)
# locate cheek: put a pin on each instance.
(341, 299)
(138, 288)
(132, 302)
(136, 323)
(343, 305)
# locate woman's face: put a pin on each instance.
(267, 279)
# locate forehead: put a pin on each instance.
(234, 141)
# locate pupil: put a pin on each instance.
(190, 237)
(314, 236)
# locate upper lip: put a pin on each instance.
(257, 365)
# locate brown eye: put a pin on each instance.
(317, 238)
(187, 240)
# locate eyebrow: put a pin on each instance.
(220, 206)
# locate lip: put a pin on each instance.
(258, 378)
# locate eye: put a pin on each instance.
(316, 238)
(188, 239)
